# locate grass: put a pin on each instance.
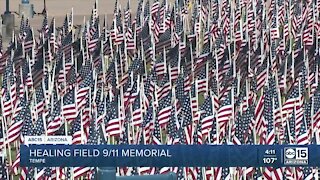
(13, 152)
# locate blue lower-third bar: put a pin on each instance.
(169, 155)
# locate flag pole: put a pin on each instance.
(6, 142)
(4, 154)
(279, 99)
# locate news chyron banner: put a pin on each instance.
(62, 155)
(48, 140)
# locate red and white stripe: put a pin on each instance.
(54, 125)
(14, 131)
(164, 91)
(164, 116)
(207, 124)
(223, 117)
(137, 117)
(113, 127)
(78, 137)
(81, 97)
(80, 171)
(69, 112)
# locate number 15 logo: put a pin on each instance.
(302, 153)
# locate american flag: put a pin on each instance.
(224, 115)
(26, 129)
(242, 133)
(164, 87)
(155, 7)
(146, 12)
(148, 125)
(38, 71)
(164, 110)
(69, 108)
(130, 95)
(180, 173)
(45, 26)
(225, 173)
(186, 113)
(56, 120)
(39, 127)
(85, 71)
(160, 66)
(172, 124)
(94, 134)
(261, 75)
(207, 118)
(180, 88)
(94, 36)
(156, 136)
(201, 60)
(18, 121)
(303, 136)
(164, 41)
(5, 90)
(66, 45)
(137, 116)
(113, 120)
(29, 41)
(3, 169)
(22, 28)
(271, 137)
(198, 135)
(257, 174)
(83, 92)
(100, 112)
(52, 35)
(268, 115)
(202, 81)
(76, 131)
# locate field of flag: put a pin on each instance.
(192, 72)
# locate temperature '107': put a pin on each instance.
(269, 160)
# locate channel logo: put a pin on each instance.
(296, 156)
